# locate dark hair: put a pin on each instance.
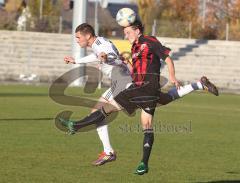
(85, 28)
(137, 24)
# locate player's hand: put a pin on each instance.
(102, 57)
(125, 57)
(69, 59)
(124, 60)
(176, 83)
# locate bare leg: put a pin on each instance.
(112, 106)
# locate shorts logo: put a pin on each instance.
(147, 109)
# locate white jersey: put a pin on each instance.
(104, 45)
(114, 68)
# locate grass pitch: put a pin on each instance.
(196, 140)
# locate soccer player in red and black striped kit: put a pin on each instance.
(144, 92)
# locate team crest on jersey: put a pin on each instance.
(143, 46)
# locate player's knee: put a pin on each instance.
(146, 124)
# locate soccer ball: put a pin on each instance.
(125, 17)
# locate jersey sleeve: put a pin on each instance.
(165, 51)
(162, 51)
(87, 59)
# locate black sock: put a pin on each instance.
(147, 144)
(93, 118)
(173, 93)
(165, 98)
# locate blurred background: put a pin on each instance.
(198, 19)
(35, 35)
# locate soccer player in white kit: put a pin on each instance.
(102, 47)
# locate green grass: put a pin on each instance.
(196, 140)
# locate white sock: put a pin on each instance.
(104, 137)
(184, 90)
(200, 86)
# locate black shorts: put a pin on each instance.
(145, 97)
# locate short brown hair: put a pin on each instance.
(137, 24)
(85, 28)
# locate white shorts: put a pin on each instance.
(120, 80)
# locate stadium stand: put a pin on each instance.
(40, 55)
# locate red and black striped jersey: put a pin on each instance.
(146, 56)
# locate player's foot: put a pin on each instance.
(69, 125)
(141, 169)
(104, 158)
(208, 86)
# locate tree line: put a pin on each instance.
(209, 19)
(201, 19)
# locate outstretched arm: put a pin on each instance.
(171, 70)
(163, 53)
(88, 59)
